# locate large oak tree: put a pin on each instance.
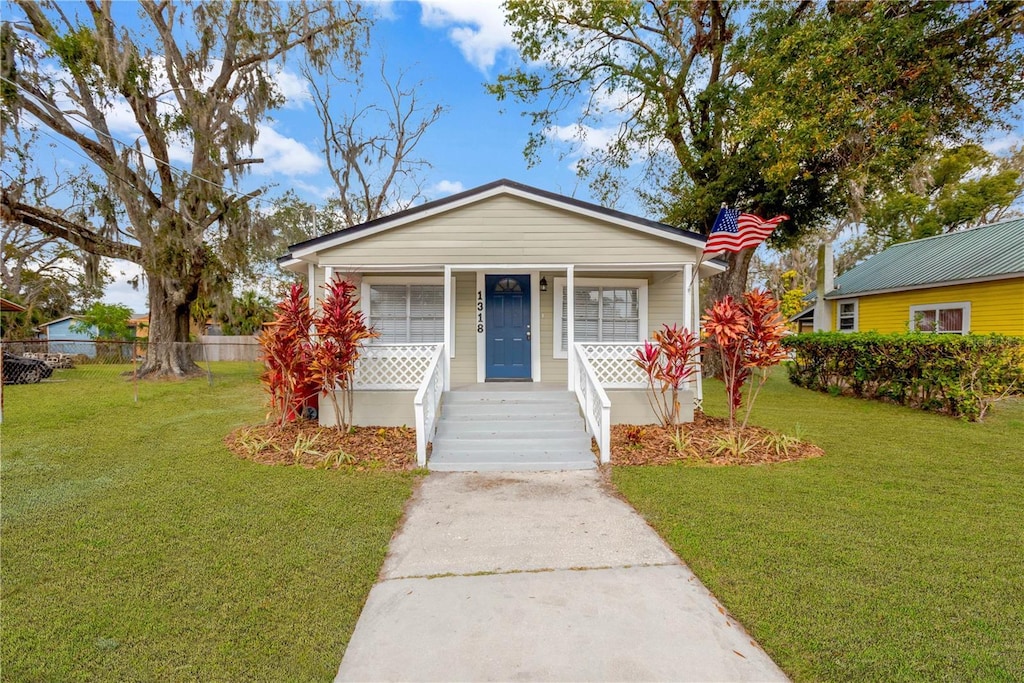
(796, 107)
(195, 76)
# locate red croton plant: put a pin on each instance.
(668, 363)
(307, 354)
(287, 353)
(747, 335)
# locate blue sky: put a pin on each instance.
(454, 47)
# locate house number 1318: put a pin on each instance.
(479, 312)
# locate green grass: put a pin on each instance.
(135, 546)
(897, 556)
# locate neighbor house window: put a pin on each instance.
(952, 318)
(410, 312)
(606, 311)
(846, 316)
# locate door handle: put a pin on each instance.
(529, 333)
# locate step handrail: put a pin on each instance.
(594, 401)
(427, 404)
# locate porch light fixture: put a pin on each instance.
(543, 284)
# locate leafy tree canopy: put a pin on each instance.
(105, 321)
(785, 107)
(193, 75)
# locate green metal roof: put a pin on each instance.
(987, 252)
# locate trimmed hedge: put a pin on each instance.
(954, 374)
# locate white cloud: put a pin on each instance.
(477, 28)
(587, 138)
(284, 155)
(444, 188)
(1002, 145)
(121, 290)
(294, 87)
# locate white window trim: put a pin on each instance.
(368, 280)
(856, 314)
(920, 308)
(556, 315)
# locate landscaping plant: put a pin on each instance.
(308, 354)
(668, 363)
(962, 375)
(748, 337)
(288, 355)
(341, 329)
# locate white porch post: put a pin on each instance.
(698, 398)
(311, 285)
(687, 304)
(570, 323)
(447, 355)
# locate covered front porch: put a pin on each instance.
(514, 329)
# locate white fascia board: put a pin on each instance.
(839, 294)
(293, 264)
(346, 236)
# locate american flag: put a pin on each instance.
(734, 231)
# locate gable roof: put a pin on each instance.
(57, 320)
(496, 188)
(989, 252)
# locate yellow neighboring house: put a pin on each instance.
(970, 281)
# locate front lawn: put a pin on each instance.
(135, 546)
(899, 555)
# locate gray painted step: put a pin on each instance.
(510, 431)
(512, 460)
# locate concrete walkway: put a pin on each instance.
(540, 577)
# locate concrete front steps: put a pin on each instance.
(491, 430)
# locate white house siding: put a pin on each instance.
(506, 230)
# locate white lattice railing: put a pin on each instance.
(428, 403)
(597, 408)
(393, 366)
(614, 364)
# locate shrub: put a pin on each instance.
(668, 363)
(747, 335)
(959, 375)
(288, 353)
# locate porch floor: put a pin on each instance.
(510, 426)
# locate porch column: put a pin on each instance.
(698, 397)
(447, 355)
(687, 304)
(311, 285)
(570, 323)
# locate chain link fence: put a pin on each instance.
(114, 366)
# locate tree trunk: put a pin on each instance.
(732, 282)
(169, 351)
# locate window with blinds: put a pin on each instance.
(941, 318)
(603, 314)
(407, 314)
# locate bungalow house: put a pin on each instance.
(504, 309)
(956, 283)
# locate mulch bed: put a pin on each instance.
(655, 445)
(307, 444)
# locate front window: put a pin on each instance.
(606, 311)
(407, 313)
(953, 318)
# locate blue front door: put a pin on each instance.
(508, 326)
